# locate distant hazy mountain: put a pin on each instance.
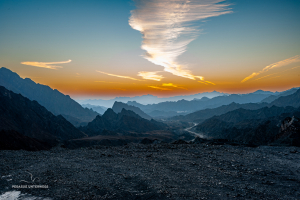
(201, 115)
(118, 107)
(52, 100)
(162, 114)
(98, 109)
(125, 122)
(280, 94)
(259, 127)
(19, 115)
(150, 99)
(265, 92)
(289, 100)
(184, 106)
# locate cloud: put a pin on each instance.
(276, 73)
(272, 66)
(167, 28)
(128, 77)
(48, 65)
(150, 76)
(206, 82)
(159, 88)
(172, 85)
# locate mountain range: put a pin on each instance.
(280, 101)
(98, 109)
(125, 122)
(184, 106)
(36, 117)
(149, 99)
(260, 126)
(201, 115)
(281, 94)
(119, 106)
(52, 100)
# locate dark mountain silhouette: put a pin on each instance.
(124, 123)
(201, 115)
(259, 127)
(290, 100)
(29, 118)
(52, 100)
(195, 105)
(118, 107)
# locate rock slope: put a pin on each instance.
(52, 100)
(124, 122)
(29, 118)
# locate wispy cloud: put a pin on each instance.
(159, 88)
(127, 77)
(150, 76)
(272, 66)
(206, 82)
(172, 85)
(167, 29)
(48, 65)
(276, 73)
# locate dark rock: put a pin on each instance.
(289, 133)
(146, 141)
(199, 140)
(12, 140)
(179, 142)
(218, 141)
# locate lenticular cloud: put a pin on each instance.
(167, 28)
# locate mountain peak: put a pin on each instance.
(119, 106)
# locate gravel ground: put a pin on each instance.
(157, 171)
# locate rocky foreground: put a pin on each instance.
(156, 171)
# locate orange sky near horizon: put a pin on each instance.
(80, 86)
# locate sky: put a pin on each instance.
(111, 48)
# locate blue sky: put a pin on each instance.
(96, 36)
